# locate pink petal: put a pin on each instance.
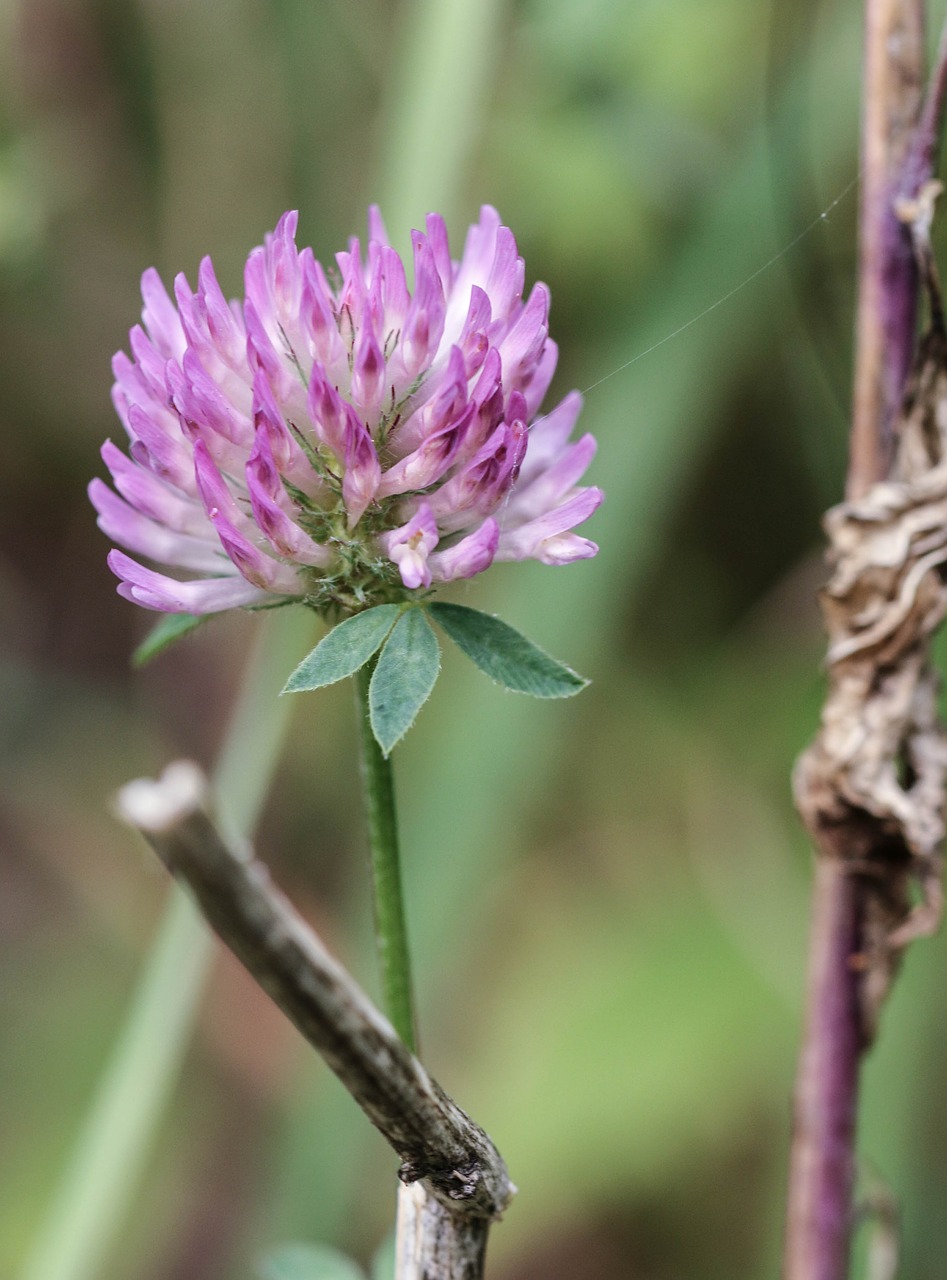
(160, 317)
(526, 541)
(145, 537)
(203, 595)
(468, 557)
(149, 494)
(409, 547)
(548, 489)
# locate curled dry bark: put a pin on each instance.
(454, 1180)
(871, 788)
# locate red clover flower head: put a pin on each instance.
(337, 439)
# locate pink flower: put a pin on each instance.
(344, 443)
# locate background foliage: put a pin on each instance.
(608, 897)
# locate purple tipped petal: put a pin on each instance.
(480, 485)
(169, 455)
(213, 489)
(221, 325)
(267, 499)
(395, 297)
(430, 461)
(523, 343)
(160, 317)
(376, 226)
(149, 363)
(468, 557)
(410, 546)
(317, 316)
(146, 537)
(284, 449)
(204, 595)
(551, 486)
(438, 412)
(424, 323)
(258, 568)
(549, 436)
(540, 538)
(368, 376)
(284, 259)
(537, 384)
(327, 413)
(564, 548)
(362, 469)
(199, 400)
(143, 490)
(233, 526)
(437, 238)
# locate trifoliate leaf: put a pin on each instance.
(347, 647)
(407, 669)
(308, 1262)
(171, 628)
(504, 654)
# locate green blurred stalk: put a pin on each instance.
(105, 1167)
(434, 109)
(391, 930)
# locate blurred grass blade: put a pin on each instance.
(448, 55)
(308, 1262)
(107, 1161)
(164, 634)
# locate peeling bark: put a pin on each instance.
(871, 788)
(434, 1242)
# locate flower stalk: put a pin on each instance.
(391, 931)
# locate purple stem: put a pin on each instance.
(887, 274)
(922, 157)
(822, 1168)
(899, 145)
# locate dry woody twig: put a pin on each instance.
(455, 1180)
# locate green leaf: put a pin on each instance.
(171, 628)
(403, 679)
(347, 647)
(308, 1262)
(506, 656)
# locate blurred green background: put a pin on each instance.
(608, 898)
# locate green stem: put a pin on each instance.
(108, 1158)
(391, 933)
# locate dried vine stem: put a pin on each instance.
(871, 790)
(887, 280)
(458, 1181)
(871, 787)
